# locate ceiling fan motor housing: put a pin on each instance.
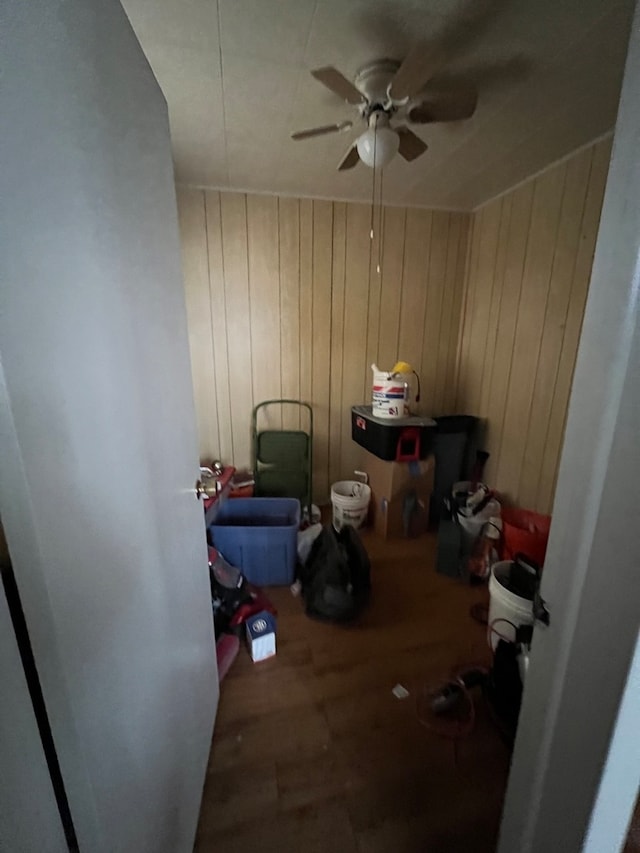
(374, 81)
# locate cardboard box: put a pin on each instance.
(261, 635)
(401, 492)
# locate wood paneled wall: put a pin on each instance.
(528, 272)
(284, 300)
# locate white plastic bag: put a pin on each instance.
(306, 538)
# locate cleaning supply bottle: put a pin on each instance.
(390, 391)
(389, 394)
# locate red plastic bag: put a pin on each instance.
(259, 601)
(525, 532)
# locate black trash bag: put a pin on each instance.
(336, 579)
(504, 688)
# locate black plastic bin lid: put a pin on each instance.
(456, 423)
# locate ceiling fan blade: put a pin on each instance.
(350, 159)
(411, 146)
(338, 83)
(322, 130)
(422, 62)
(445, 103)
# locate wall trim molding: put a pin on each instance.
(343, 200)
(547, 168)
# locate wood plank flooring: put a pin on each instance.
(311, 750)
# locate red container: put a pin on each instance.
(524, 532)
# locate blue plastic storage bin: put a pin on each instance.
(260, 536)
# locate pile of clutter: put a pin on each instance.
(515, 605)
(332, 576)
(470, 528)
(478, 512)
(476, 531)
(238, 604)
(480, 540)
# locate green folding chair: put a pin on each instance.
(283, 458)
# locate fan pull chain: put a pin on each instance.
(372, 228)
(380, 224)
(373, 187)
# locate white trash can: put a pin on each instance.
(350, 500)
(512, 609)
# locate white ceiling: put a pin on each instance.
(235, 74)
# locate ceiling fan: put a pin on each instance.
(386, 90)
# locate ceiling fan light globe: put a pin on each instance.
(378, 147)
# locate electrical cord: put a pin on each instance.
(448, 709)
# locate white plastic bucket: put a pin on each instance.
(505, 605)
(389, 395)
(350, 501)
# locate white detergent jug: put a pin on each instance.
(390, 392)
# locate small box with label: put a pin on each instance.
(261, 635)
